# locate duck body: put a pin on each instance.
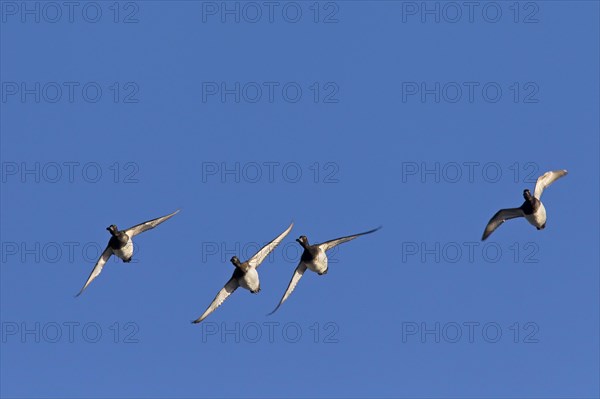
(248, 280)
(121, 245)
(534, 211)
(315, 259)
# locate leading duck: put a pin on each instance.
(532, 209)
(121, 244)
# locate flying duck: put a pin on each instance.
(314, 258)
(121, 244)
(244, 275)
(532, 209)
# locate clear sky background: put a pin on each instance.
(406, 312)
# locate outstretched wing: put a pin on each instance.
(257, 259)
(547, 179)
(150, 224)
(500, 217)
(98, 268)
(327, 245)
(229, 288)
(293, 282)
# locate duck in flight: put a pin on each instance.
(244, 275)
(121, 244)
(532, 209)
(314, 258)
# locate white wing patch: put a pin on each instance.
(97, 268)
(327, 245)
(500, 217)
(547, 179)
(292, 285)
(229, 288)
(260, 256)
(150, 224)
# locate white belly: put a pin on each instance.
(538, 218)
(126, 252)
(250, 280)
(319, 265)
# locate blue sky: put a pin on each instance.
(339, 116)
